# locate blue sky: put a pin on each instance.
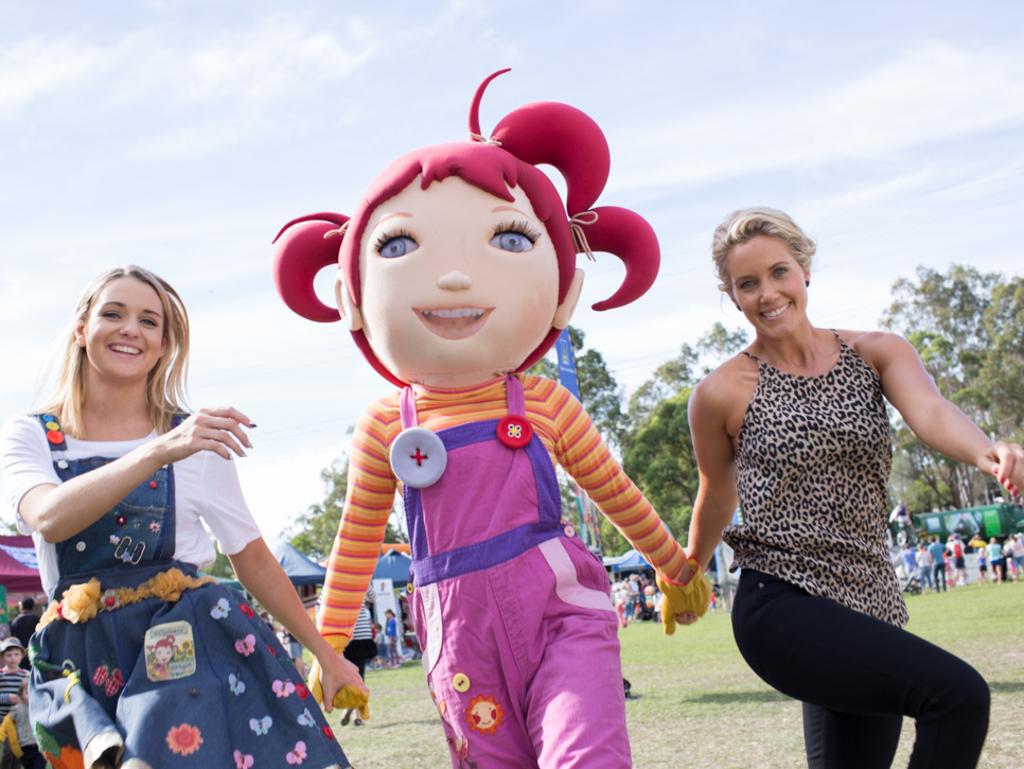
(180, 136)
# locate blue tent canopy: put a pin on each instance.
(300, 569)
(393, 565)
(631, 561)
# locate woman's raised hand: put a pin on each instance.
(1006, 462)
(218, 430)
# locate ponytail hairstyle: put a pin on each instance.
(541, 132)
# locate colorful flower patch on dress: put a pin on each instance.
(184, 739)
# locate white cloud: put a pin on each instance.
(38, 66)
(210, 91)
(932, 93)
(269, 61)
(190, 141)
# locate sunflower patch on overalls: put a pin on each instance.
(512, 611)
(140, 662)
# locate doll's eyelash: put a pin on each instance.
(520, 226)
(391, 235)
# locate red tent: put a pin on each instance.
(19, 570)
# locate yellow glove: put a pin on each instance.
(346, 697)
(356, 699)
(692, 597)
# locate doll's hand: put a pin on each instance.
(686, 602)
(218, 430)
(334, 682)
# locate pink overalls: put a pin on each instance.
(518, 632)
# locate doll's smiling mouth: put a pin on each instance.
(453, 322)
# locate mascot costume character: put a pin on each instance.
(457, 272)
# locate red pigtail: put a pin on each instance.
(568, 139)
(628, 236)
(301, 254)
(564, 137)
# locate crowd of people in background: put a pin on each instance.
(941, 566)
(636, 598)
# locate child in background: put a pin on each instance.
(16, 731)
(391, 636)
(377, 663)
(12, 676)
(982, 565)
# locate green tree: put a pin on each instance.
(670, 378)
(659, 454)
(1002, 367)
(681, 372)
(313, 532)
(718, 344)
(966, 325)
(661, 462)
(600, 393)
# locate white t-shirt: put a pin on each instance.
(206, 489)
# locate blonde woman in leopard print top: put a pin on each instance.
(795, 429)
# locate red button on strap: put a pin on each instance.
(514, 432)
(56, 437)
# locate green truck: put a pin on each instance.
(987, 520)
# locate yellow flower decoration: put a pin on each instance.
(80, 602)
(167, 585)
(49, 615)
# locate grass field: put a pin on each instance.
(700, 706)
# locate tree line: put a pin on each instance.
(968, 327)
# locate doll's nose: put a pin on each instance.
(454, 281)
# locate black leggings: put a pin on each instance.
(857, 677)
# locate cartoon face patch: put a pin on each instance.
(170, 651)
(484, 714)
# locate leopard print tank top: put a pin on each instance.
(812, 464)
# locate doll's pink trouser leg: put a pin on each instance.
(576, 709)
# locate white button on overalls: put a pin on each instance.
(418, 457)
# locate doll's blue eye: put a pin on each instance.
(510, 240)
(397, 246)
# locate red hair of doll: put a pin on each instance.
(542, 132)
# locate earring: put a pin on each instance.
(807, 283)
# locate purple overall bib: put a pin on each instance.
(512, 612)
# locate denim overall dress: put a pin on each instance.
(194, 681)
(512, 612)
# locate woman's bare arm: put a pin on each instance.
(58, 512)
(938, 422)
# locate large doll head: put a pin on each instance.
(459, 265)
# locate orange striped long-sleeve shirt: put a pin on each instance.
(566, 432)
